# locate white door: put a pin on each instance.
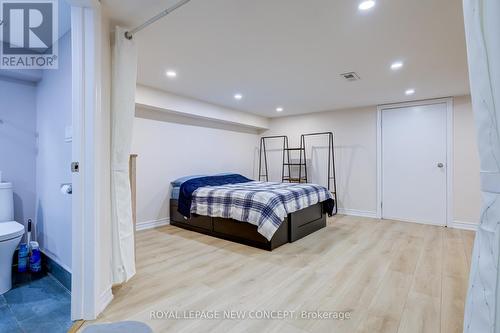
(414, 164)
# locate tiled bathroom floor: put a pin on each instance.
(41, 305)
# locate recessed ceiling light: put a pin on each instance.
(238, 96)
(410, 91)
(396, 65)
(367, 4)
(279, 109)
(171, 73)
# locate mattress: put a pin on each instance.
(175, 192)
(263, 204)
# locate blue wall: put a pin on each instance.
(34, 155)
(18, 143)
(53, 215)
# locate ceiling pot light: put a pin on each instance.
(367, 4)
(279, 109)
(396, 65)
(410, 92)
(238, 96)
(171, 74)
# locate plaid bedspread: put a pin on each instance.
(263, 204)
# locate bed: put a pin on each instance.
(260, 214)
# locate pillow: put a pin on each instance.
(178, 182)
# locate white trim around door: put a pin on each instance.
(86, 107)
(449, 151)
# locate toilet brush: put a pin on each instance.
(29, 231)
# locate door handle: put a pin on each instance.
(440, 165)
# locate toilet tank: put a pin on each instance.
(6, 202)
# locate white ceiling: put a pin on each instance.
(290, 52)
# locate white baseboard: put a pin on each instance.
(355, 212)
(464, 225)
(152, 224)
(398, 219)
(344, 211)
(104, 300)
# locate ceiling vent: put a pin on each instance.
(350, 76)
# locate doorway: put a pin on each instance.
(415, 161)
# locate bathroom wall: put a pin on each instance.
(53, 209)
(17, 143)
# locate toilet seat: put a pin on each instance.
(10, 230)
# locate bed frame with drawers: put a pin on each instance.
(295, 226)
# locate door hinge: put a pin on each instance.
(75, 167)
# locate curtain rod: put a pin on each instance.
(129, 34)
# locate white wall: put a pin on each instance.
(18, 143)
(53, 209)
(170, 147)
(355, 149)
(356, 156)
(466, 183)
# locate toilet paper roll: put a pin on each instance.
(66, 189)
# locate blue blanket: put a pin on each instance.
(188, 187)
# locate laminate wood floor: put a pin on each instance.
(390, 276)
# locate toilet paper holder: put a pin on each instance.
(66, 188)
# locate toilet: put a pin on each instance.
(11, 233)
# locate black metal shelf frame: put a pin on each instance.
(332, 179)
(263, 152)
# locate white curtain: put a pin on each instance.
(482, 27)
(123, 85)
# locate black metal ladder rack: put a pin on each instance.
(302, 165)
